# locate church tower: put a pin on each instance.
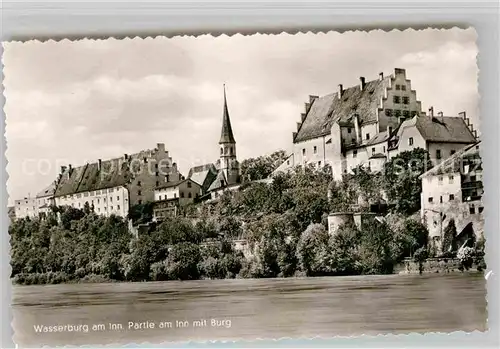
(227, 162)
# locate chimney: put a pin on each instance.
(63, 169)
(99, 164)
(381, 76)
(357, 129)
(70, 169)
(431, 112)
(125, 156)
(440, 113)
(302, 117)
(174, 165)
(160, 147)
(341, 90)
(362, 80)
(462, 115)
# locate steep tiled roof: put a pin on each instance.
(113, 173)
(48, 191)
(328, 109)
(453, 163)
(175, 183)
(219, 182)
(204, 175)
(440, 129)
(444, 129)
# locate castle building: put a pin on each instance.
(453, 190)
(367, 124)
(225, 173)
(113, 186)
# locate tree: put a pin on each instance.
(261, 167)
(450, 237)
(313, 252)
(402, 182)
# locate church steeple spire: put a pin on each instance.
(226, 135)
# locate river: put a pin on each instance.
(248, 309)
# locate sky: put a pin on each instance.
(72, 102)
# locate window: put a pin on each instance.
(398, 87)
(104, 199)
(472, 209)
(481, 209)
(354, 153)
(319, 163)
(190, 195)
(472, 178)
(373, 151)
(452, 197)
(145, 160)
(111, 208)
(221, 151)
(410, 141)
(159, 197)
(348, 130)
(440, 179)
(406, 100)
(139, 192)
(388, 112)
(98, 200)
(438, 154)
(167, 178)
(315, 150)
(441, 199)
(156, 166)
(397, 113)
(175, 195)
(182, 194)
(403, 87)
(157, 173)
(118, 207)
(189, 185)
(140, 202)
(288, 162)
(452, 152)
(138, 183)
(384, 149)
(111, 199)
(367, 136)
(157, 183)
(430, 199)
(450, 179)
(304, 152)
(406, 113)
(396, 99)
(98, 209)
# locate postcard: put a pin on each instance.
(244, 187)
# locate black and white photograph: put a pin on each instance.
(244, 187)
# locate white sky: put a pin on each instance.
(73, 102)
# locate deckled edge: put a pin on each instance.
(270, 32)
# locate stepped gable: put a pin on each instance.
(326, 110)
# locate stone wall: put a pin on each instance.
(431, 265)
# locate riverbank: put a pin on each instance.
(435, 266)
